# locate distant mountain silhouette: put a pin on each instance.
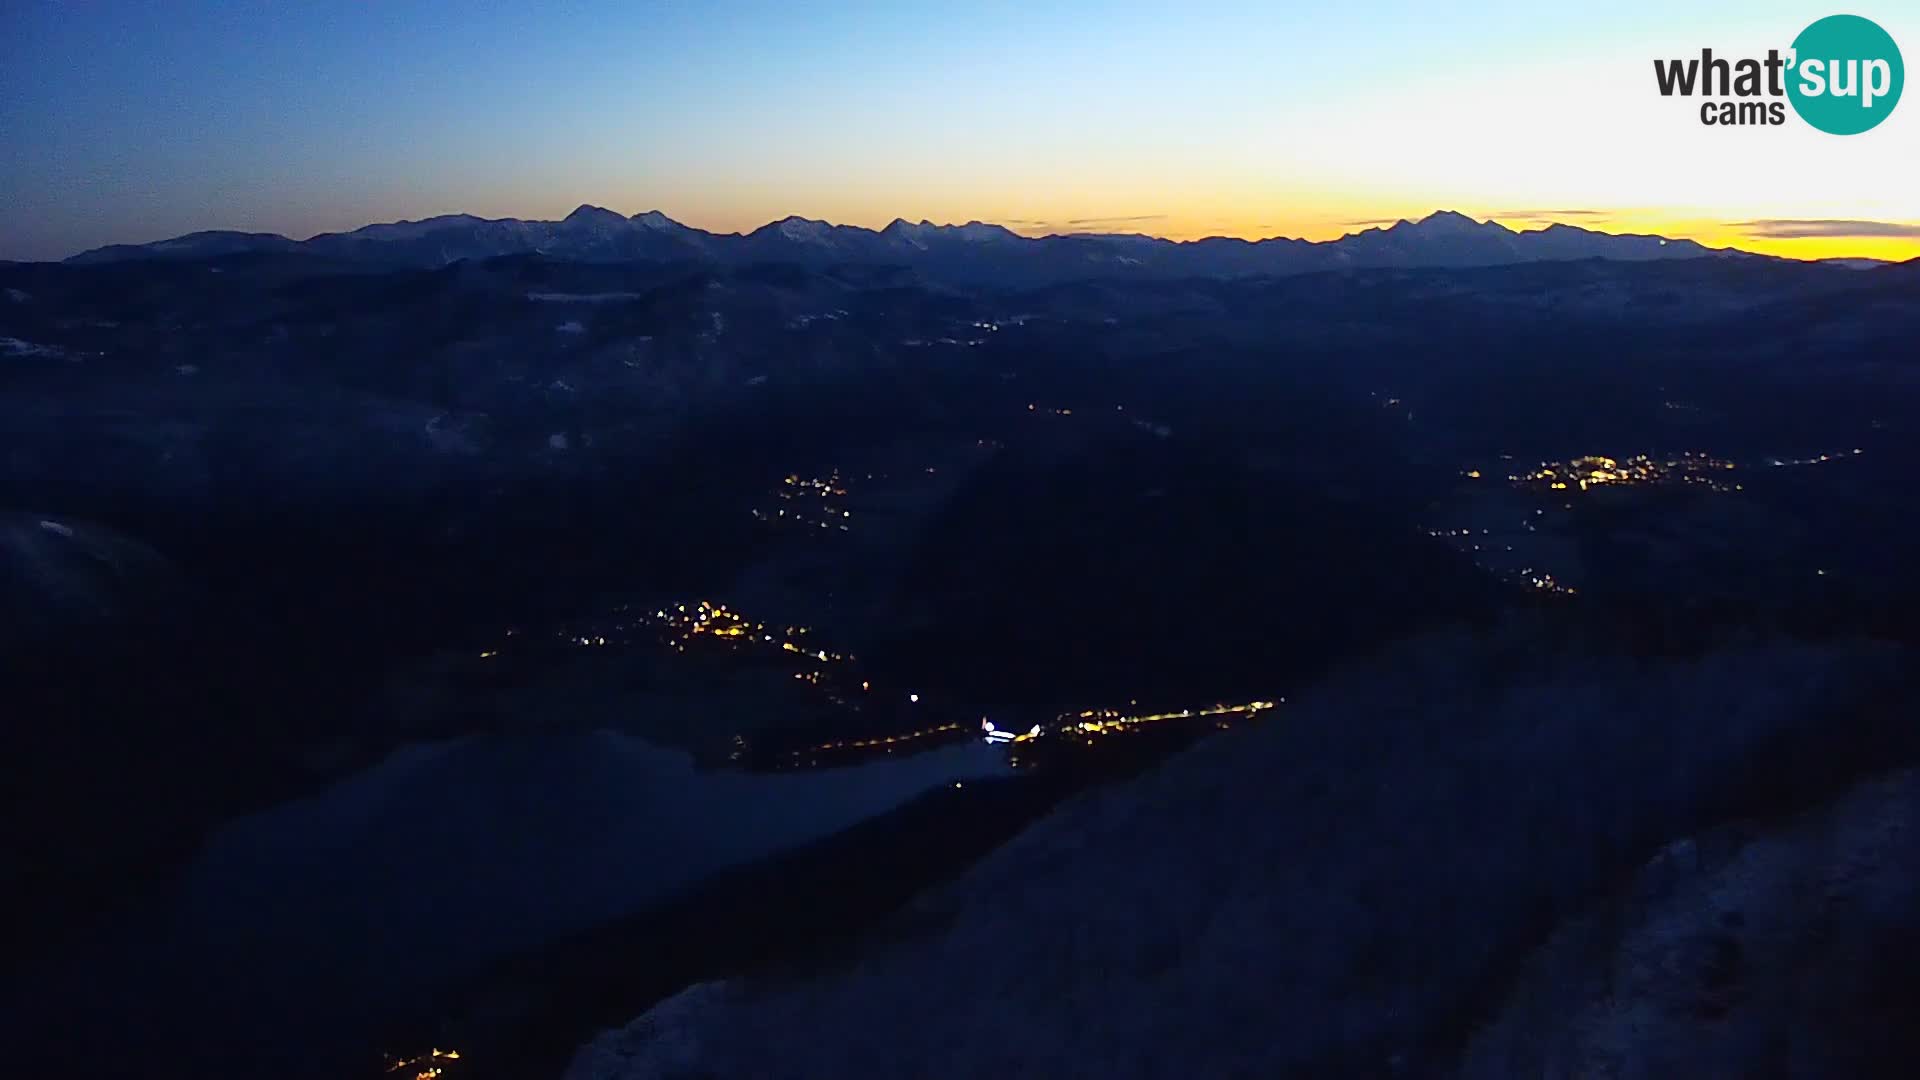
(974, 253)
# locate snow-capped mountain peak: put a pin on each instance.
(910, 233)
(980, 231)
(804, 230)
(1443, 222)
(595, 216)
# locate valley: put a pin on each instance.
(898, 563)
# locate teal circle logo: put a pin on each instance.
(1846, 75)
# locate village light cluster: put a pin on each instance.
(1596, 470)
(809, 501)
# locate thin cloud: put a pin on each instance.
(1807, 228)
(1366, 223)
(1102, 221)
(1083, 226)
(1547, 215)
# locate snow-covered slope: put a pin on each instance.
(1340, 892)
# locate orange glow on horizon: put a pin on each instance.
(1710, 232)
(1244, 211)
(1236, 211)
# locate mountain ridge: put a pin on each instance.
(975, 252)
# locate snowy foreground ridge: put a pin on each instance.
(1454, 870)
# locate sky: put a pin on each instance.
(130, 122)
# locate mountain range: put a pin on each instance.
(973, 253)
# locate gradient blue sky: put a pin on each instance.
(130, 122)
